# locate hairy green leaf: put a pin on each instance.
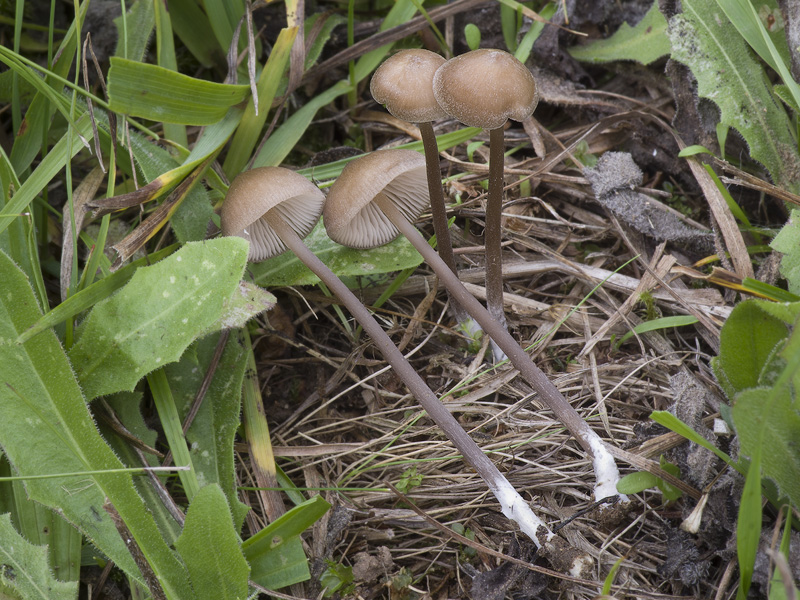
(159, 312)
(47, 429)
(749, 342)
(287, 269)
(25, 569)
(788, 242)
(646, 42)
(213, 429)
(210, 548)
(704, 39)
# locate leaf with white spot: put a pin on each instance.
(157, 315)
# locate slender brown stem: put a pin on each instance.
(533, 374)
(493, 234)
(443, 243)
(474, 456)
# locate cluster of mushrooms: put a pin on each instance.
(380, 195)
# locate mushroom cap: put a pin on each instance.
(484, 88)
(404, 85)
(253, 193)
(352, 218)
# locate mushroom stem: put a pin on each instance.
(443, 243)
(511, 503)
(605, 468)
(493, 235)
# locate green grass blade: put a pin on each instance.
(173, 430)
(772, 49)
(657, 325)
(246, 137)
(285, 138)
(48, 168)
(165, 54)
(192, 27)
(158, 94)
(673, 423)
(271, 547)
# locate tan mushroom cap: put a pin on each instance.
(253, 193)
(484, 88)
(351, 217)
(404, 85)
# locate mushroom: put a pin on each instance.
(378, 196)
(262, 205)
(484, 88)
(404, 85)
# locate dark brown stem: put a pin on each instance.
(493, 234)
(533, 374)
(511, 503)
(443, 243)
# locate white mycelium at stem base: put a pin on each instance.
(263, 187)
(381, 186)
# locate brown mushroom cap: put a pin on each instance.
(404, 85)
(253, 193)
(350, 216)
(484, 88)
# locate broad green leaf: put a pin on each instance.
(645, 43)
(748, 343)
(93, 294)
(245, 303)
(780, 460)
(159, 312)
(788, 242)
(158, 94)
(210, 548)
(266, 551)
(634, 483)
(287, 269)
(24, 568)
(213, 430)
(47, 429)
(704, 39)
